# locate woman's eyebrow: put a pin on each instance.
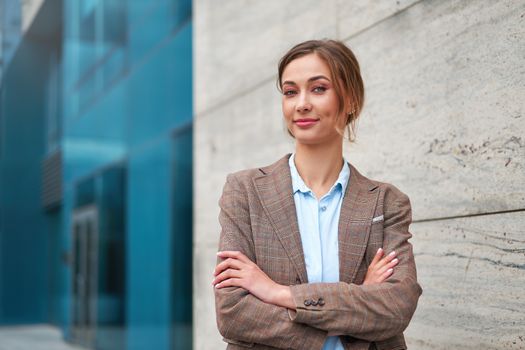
(314, 78)
(317, 77)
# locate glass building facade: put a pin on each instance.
(96, 174)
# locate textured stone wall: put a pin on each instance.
(443, 120)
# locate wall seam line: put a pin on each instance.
(469, 215)
(234, 97)
(365, 29)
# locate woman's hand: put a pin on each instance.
(381, 267)
(238, 271)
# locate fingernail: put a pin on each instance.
(390, 270)
(380, 249)
(392, 254)
(395, 260)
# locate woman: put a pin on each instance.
(300, 264)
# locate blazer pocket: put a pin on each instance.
(238, 342)
(379, 218)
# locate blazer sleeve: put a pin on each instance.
(241, 317)
(372, 312)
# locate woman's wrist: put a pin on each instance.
(282, 296)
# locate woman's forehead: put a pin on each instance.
(304, 67)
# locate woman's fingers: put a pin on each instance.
(230, 268)
(230, 282)
(387, 266)
(385, 260)
(386, 274)
(227, 274)
(379, 254)
(234, 255)
(229, 263)
(377, 271)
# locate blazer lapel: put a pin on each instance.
(274, 190)
(355, 220)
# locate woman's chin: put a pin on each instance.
(310, 141)
(316, 139)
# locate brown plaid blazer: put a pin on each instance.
(258, 218)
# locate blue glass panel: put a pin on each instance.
(162, 88)
(108, 85)
(149, 247)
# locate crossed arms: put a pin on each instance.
(250, 313)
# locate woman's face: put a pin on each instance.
(310, 102)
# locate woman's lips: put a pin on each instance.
(306, 122)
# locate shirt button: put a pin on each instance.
(307, 302)
(314, 303)
(320, 302)
(323, 208)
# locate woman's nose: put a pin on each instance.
(303, 105)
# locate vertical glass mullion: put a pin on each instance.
(99, 45)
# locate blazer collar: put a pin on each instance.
(274, 189)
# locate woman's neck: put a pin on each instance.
(319, 165)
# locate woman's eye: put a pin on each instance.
(319, 89)
(289, 92)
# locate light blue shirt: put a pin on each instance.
(318, 224)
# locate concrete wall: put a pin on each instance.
(443, 120)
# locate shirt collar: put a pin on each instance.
(299, 185)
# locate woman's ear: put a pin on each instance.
(350, 111)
